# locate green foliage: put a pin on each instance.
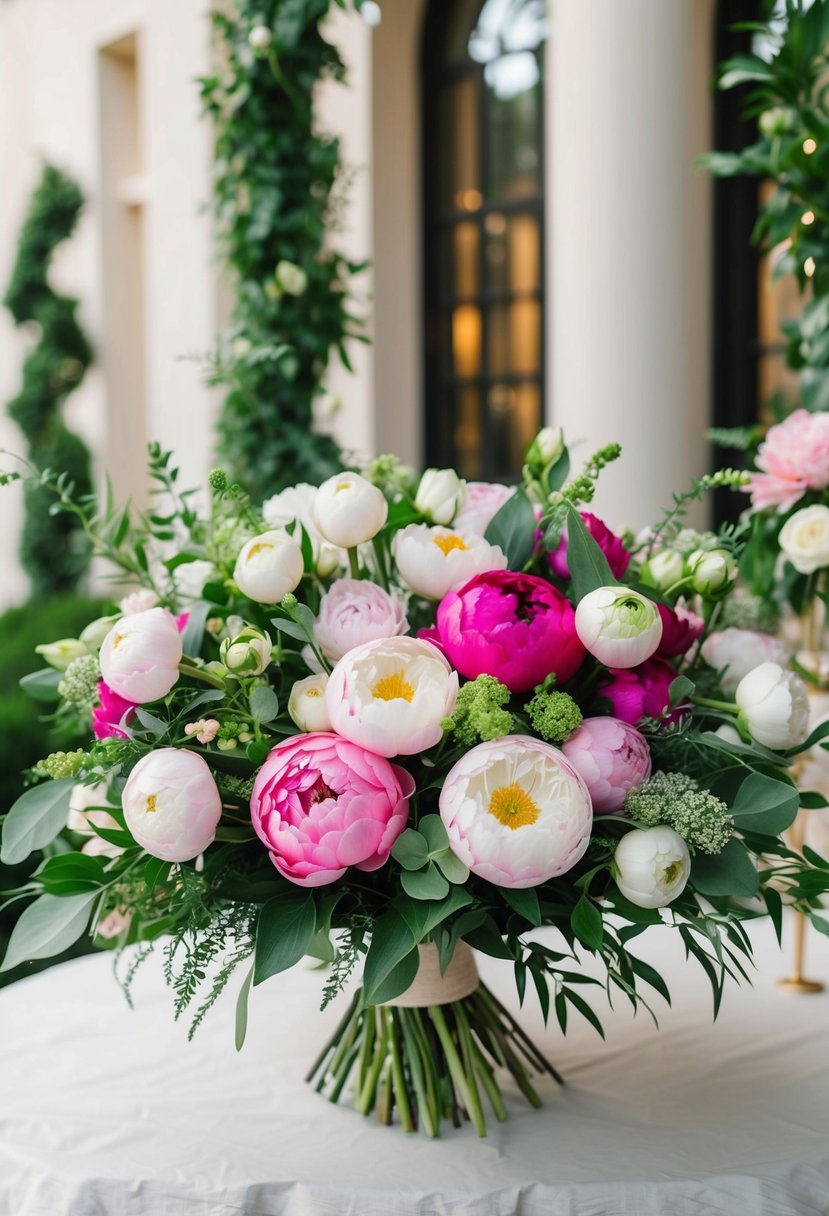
(787, 92)
(53, 551)
(278, 186)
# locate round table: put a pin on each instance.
(107, 1111)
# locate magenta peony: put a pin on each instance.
(515, 627)
(618, 557)
(322, 804)
(793, 458)
(611, 757)
(680, 629)
(639, 692)
(111, 713)
(516, 811)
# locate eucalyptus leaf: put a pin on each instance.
(765, 805)
(193, 635)
(48, 926)
(424, 884)
(410, 850)
(264, 704)
(291, 628)
(42, 685)
(451, 866)
(437, 838)
(150, 722)
(35, 819)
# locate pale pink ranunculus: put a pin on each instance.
(322, 804)
(140, 656)
(793, 458)
(391, 695)
(680, 629)
(481, 504)
(355, 611)
(736, 652)
(611, 757)
(611, 545)
(171, 803)
(516, 627)
(516, 811)
(111, 713)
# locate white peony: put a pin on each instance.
(306, 704)
(774, 706)
(349, 510)
(651, 866)
(355, 611)
(296, 505)
(268, 567)
(736, 652)
(140, 656)
(440, 495)
(435, 560)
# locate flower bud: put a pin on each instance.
(663, 569)
(260, 39)
(777, 120)
(651, 866)
(546, 448)
(247, 653)
(94, 633)
(774, 706)
(291, 278)
(620, 627)
(348, 510)
(306, 704)
(713, 572)
(60, 654)
(267, 567)
(439, 495)
(804, 539)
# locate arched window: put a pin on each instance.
(483, 176)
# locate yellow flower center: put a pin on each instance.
(151, 807)
(258, 548)
(117, 640)
(512, 806)
(392, 688)
(313, 692)
(447, 543)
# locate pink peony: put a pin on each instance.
(322, 804)
(516, 811)
(611, 757)
(680, 629)
(355, 611)
(794, 458)
(639, 692)
(515, 627)
(610, 544)
(482, 502)
(111, 713)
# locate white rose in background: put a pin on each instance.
(481, 503)
(390, 696)
(306, 704)
(349, 510)
(804, 539)
(619, 627)
(712, 571)
(140, 656)
(356, 611)
(651, 866)
(434, 560)
(296, 505)
(736, 652)
(440, 495)
(774, 706)
(171, 804)
(247, 653)
(190, 578)
(268, 567)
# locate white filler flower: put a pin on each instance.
(651, 866)
(774, 706)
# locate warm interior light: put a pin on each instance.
(469, 200)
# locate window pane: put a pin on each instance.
(466, 239)
(515, 416)
(514, 337)
(458, 140)
(513, 133)
(468, 432)
(466, 341)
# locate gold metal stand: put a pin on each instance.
(796, 982)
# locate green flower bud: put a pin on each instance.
(713, 572)
(248, 653)
(60, 654)
(663, 569)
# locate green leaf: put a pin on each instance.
(513, 528)
(765, 805)
(156, 871)
(584, 1009)
(48, 926)
(284, 929)
(424, 884)
(451, 866)
(730, 872)
(35, 819)
(43, 685)
(191, 639)
(410, 850)
(558, 474)
(820, 923)
(586, 923)
(650, 976)
(432, 829)
(487, 938)
(679, 691)
(398, 979)
(321, 947)
(588, 565)
(743, 69)
(242, 1010)
(291, 628)
(69, 873)
(150, 722)
(523, 900)
(264, 704)
(422, 917)
(391, 941)
(257, 751)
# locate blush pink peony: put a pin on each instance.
(172, 805)
(482, 502)
(793, 458)
(322, 804)
(618, 557)
(516, 811)
(515, 627)
(355, 611)
(140, 655)
(611, 757)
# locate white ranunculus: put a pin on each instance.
(435, 560)
(171, 804)
(355, 611)
(663, 569)
(60, 654)
(774, 705)
(296, 505)
(712, 571)
(804, 539)
(247, 653)
(440, 495)
(268, 567)
(140, 656)
(618, 626)
(306, 704)
(651, 866)
(349, 510)
(736, 652)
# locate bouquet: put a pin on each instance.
(393, 719)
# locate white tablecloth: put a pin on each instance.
(108, 1112)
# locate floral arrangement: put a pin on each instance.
(390, 718)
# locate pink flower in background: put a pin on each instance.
(639, 692)
(515, 627)
(516, 811)
(322, 804)
(481, 504)
(611, 757)
(354, 611)
(793, 458)
(610, 544)
(111, 713)
(680, 629)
